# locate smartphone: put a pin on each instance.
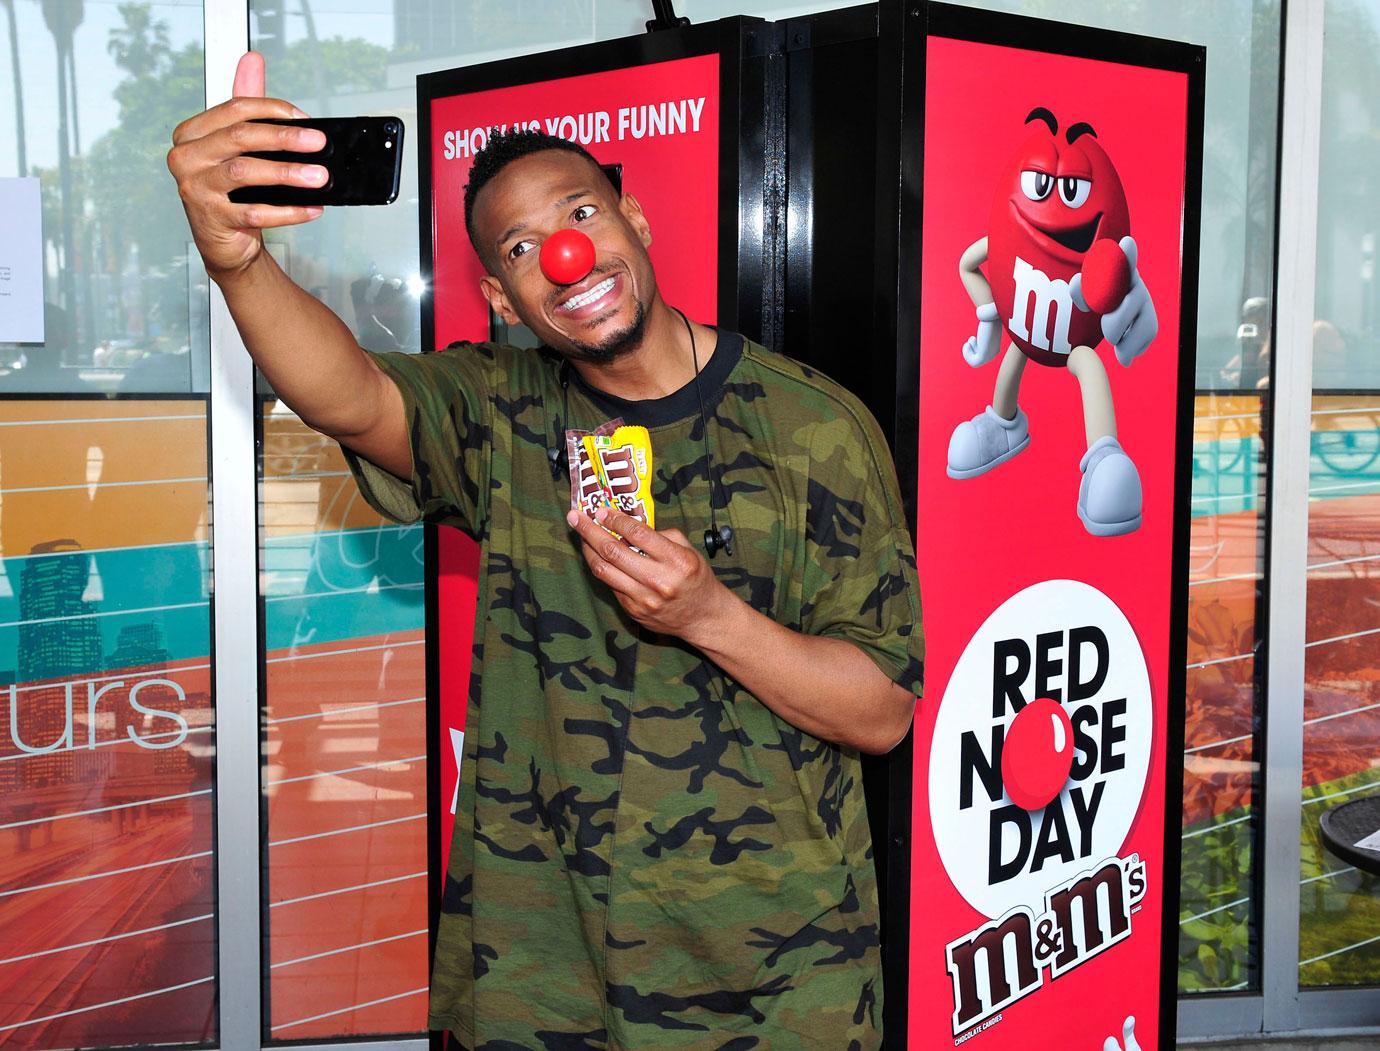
(362, 154)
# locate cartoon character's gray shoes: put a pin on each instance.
(979, 444)
(1109, 498)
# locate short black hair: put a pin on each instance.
(500, 151)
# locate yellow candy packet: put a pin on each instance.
(621, 464)
(585, 487)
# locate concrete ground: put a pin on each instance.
(1367, 1042)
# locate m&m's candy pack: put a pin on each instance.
(611, 466)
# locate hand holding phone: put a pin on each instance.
(362, 158)
(208, 160)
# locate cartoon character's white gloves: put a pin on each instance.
(983, 347)
(1131, 326)
(1128, 1035)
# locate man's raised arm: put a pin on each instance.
(309, 355)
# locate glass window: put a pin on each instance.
(1217, 942)
(1339, 908)
(107, 736)
(344, 749)
(93, 95)
(107, 893)
(345, 907)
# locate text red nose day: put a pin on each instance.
(567, 256)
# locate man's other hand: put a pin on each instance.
(669, 588)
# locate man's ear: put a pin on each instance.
(498, 299)
(632, 212)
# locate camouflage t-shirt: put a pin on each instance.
(645, 856)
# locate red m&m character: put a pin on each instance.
(1060, 278)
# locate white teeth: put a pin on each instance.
(598, 291)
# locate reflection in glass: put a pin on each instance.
(344, 748)
(104, 85)
(1217, 948)
(1339, 909)
(106, 732)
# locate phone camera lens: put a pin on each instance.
(391, 128)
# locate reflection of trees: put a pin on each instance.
(1350, 158)
(112, 215)
(141, 43)
(62, 18)
(18, 86)
(161, 87)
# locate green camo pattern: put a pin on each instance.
(645, 856)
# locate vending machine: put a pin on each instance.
(985, 226)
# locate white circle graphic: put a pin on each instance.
(1067, 640)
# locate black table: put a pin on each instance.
(1352, 832)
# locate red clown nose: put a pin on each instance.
(566, 257)
(1037, 755)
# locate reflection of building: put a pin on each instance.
(57, 639)
(139, 646)
(9, 768)
(51, 643)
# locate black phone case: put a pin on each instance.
(363, 169)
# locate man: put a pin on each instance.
(661, 835)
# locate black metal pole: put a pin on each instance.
(666, 17)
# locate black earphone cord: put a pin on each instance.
(715, 538)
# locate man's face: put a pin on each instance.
(602, 315)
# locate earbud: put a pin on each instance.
(715, 539)
(567, 256)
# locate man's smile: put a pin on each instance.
(588, 300)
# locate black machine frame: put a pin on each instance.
(904, 29)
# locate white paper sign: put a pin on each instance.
(21, 261)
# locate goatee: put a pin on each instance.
(616, 344)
